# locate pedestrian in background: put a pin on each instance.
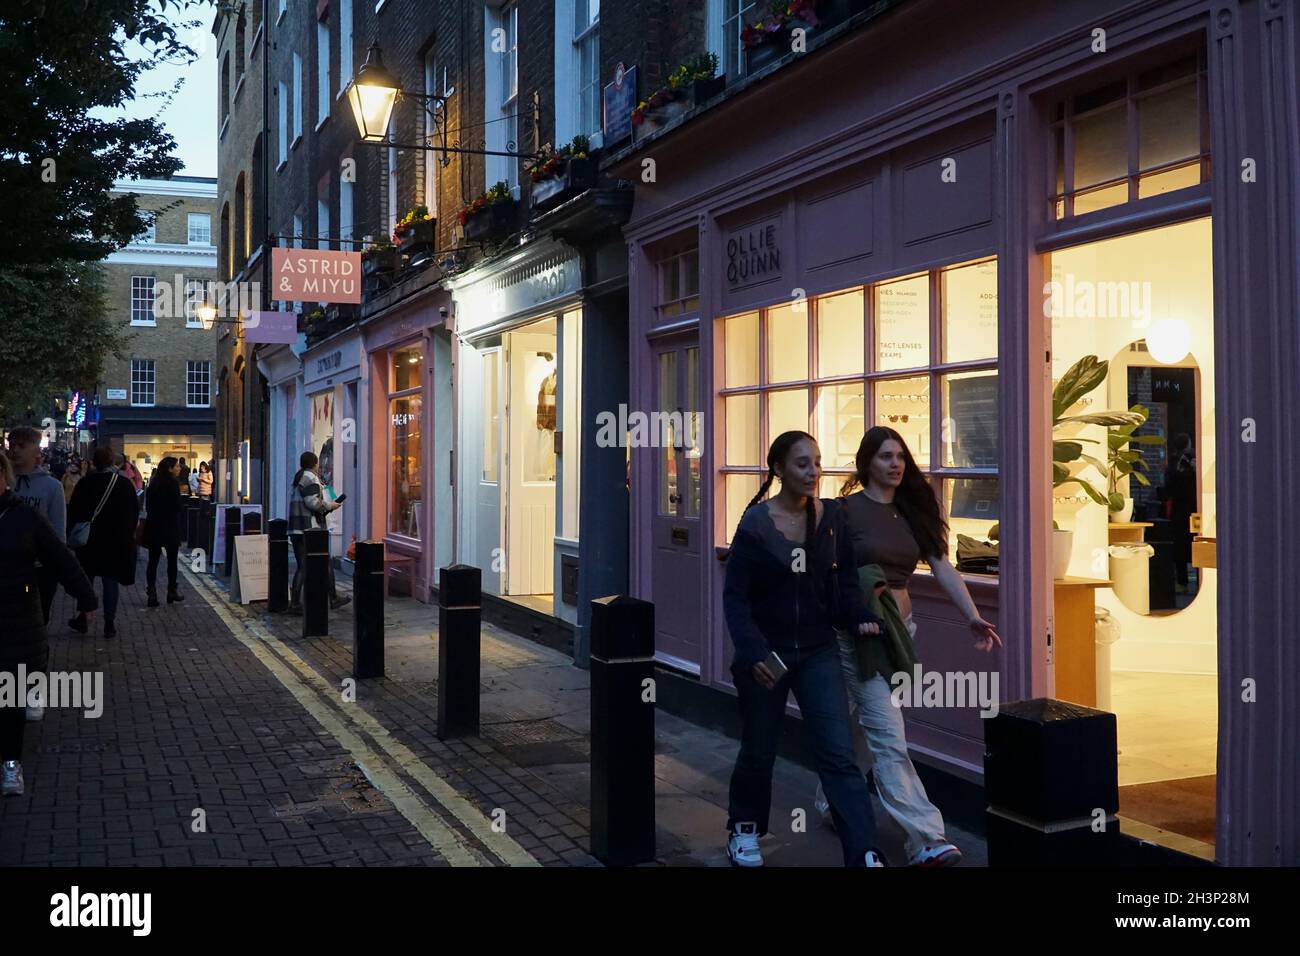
(131, 473)
(184, 478)
(26, 542)
(162, 530)
(35, 487)
(204, 481)
(71, 475)
(109, 503)
(308, 507)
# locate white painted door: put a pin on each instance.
(532, 411)
(487, 417)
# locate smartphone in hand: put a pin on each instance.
(340, 499)
(777, 666)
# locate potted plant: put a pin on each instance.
(1067, 452)
(313, 322)
(561, 174)
(491, 215)
(415, 229)
(1124, 462)
(768, 38)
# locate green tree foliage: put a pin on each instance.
(40, 334)
(63, 65)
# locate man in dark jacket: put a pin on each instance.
(110, 552)
(26, 538)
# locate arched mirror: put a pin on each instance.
(1154, 471)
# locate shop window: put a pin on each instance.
(405, 443)
(679, 283)
(810, 365)
(1130, 139)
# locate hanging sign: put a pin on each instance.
(271, 328)
(315, 275)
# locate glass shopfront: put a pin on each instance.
(917, 354)
(405, 442)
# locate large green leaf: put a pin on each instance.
(1066, 451)
(1079, 379)
(1099, 418)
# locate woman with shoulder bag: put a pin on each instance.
(106, 500)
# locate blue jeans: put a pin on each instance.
(814, 676)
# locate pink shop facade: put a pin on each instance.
(909, 225)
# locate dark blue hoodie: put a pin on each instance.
(769, 606)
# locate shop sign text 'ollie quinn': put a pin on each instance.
(315, 275)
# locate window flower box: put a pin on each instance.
(770, 38)
(494, 220)
(575, 176)
(416, 235)
(380, 261)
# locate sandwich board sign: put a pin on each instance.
(249, 570)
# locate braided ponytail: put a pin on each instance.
(762, 489)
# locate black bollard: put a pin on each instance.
(252, 523)
(1052, 784)
(460, 589)
(368, 610)
(192, 508)
(204, 538)
(277, 569)
(316, 583)
(232, 532)
(622, 730)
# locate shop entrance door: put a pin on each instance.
(676, 436)
(531, 412)
(488, 493)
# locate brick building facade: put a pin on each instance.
(156, 399)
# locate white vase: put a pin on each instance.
(1062, 544)
(1124, 514)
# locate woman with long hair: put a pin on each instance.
(894, 521)
(162, 529)
(790, 580)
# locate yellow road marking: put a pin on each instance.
(315, 694)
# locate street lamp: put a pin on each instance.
(207, 316)
(372, 94)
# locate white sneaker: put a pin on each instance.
(742, 848)
(873, 859)
(823, 808)
(35, 712)
(936, 854)
(11, 779)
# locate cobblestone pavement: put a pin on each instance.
(228, 710)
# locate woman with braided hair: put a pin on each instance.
(790, 582)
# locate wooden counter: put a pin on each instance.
(1128, 532)
(1075, 653)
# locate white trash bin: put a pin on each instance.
(1130, 575)
(1107, 633)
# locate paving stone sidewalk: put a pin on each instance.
(191, 721)
(195, 719)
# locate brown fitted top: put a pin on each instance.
(882, 536)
